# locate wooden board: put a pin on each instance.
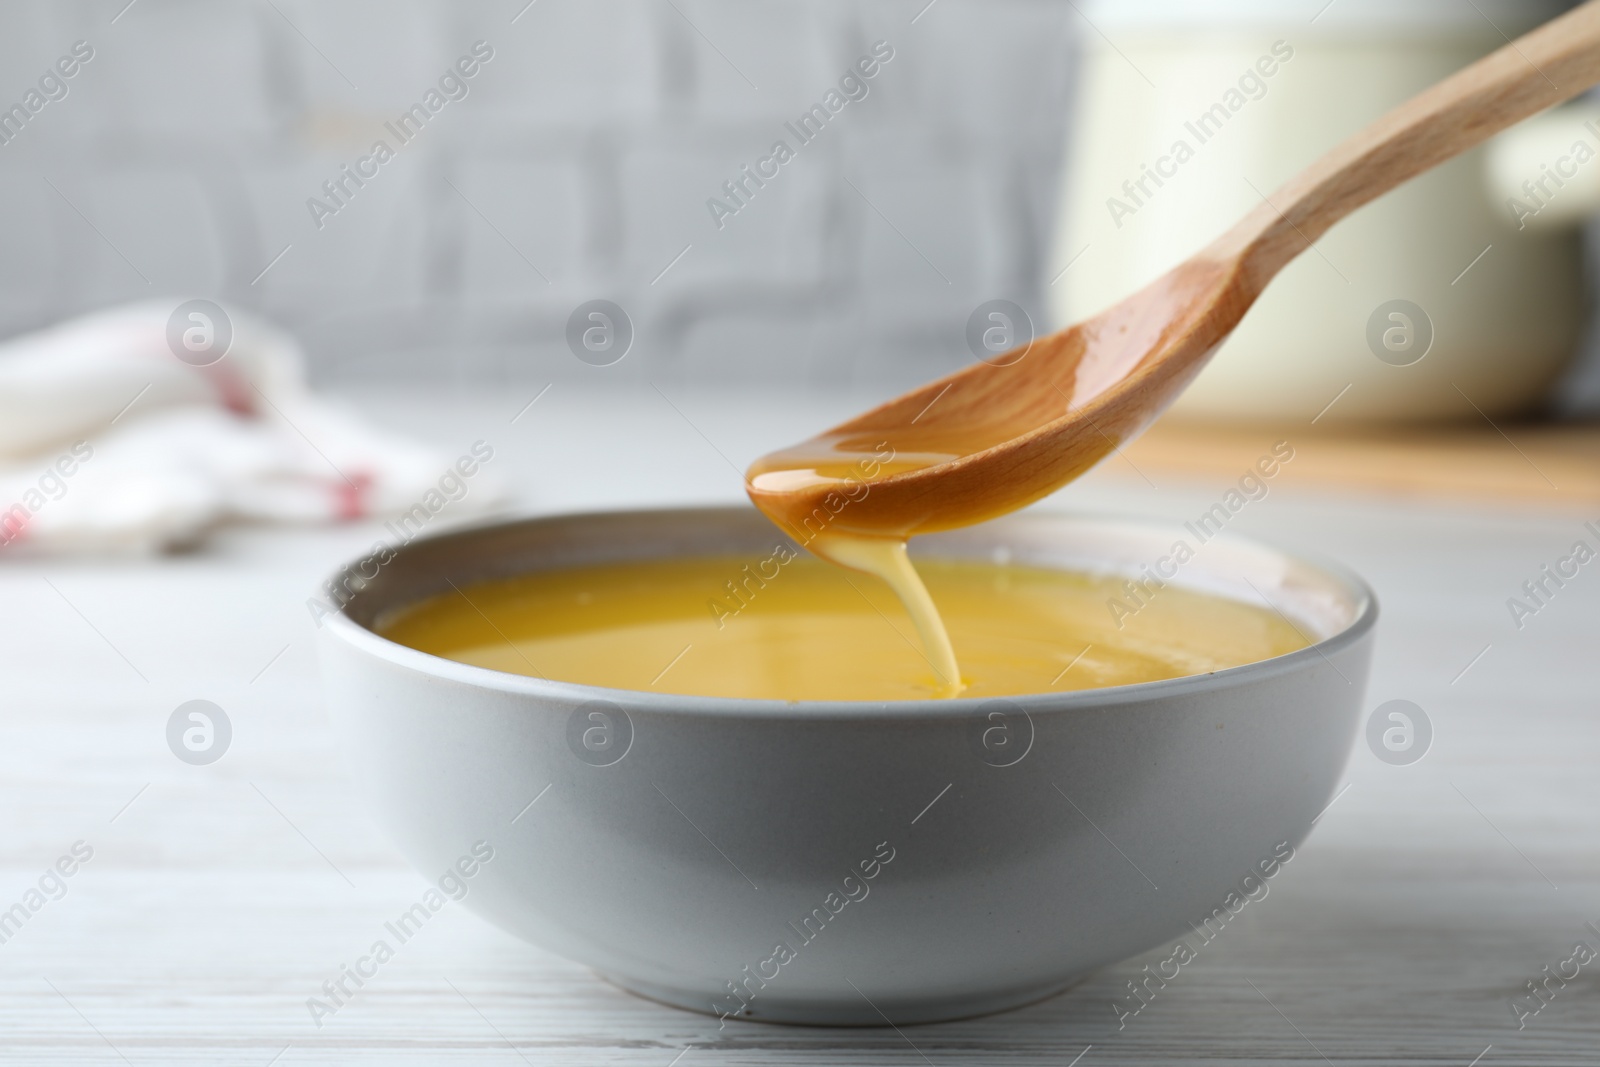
(1554, 465)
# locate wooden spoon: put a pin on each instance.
(998, 435)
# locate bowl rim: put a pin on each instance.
(341, 626)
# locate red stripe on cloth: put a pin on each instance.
(13, 528)
(351, 496)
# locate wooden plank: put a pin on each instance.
(1551, 465)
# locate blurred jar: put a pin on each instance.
(1256, 91)
(1541, 170)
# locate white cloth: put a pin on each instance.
(110, 443)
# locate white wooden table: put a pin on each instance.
(219, 898)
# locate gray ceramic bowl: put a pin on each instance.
(848, 863)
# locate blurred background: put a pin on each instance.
(579, 164)
(542, 155)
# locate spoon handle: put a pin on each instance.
(1553, 63)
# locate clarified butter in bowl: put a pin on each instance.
(726, 776)
(718, 626)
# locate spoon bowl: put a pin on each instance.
(1035, 418)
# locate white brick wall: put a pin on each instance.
(587, 148)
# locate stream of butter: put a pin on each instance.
(848, 467)
(889, 560)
